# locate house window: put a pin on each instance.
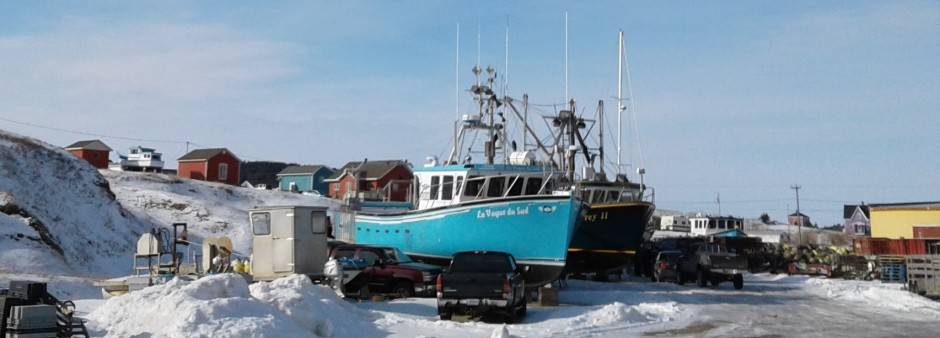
(223, 171)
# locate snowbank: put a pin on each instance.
(226, 306)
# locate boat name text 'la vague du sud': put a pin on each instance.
(490, 213)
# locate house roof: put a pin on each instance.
(204, 154)
(370, 171)
(917, 205)
(849, 210)
(300, 170)
(90, 144)
(800, 214)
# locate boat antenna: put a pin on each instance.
(457, 95)
(506, 70)
(566, 56)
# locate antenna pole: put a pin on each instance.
(506, 71)
(566, 57)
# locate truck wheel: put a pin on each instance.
(680, 279)
(403, 290)
(738, 281)
(701, 281)
(364, 292)
(446, 315)
(521, 313)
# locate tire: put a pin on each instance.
(655, 278)
(403, 290)
(364, 292)
(522, 312)
(446, 315)
(510, 317)
(680, 279)
(715, 282)
(738, 281)
(700, 280)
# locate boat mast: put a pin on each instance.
(620, 106)
(455, 153)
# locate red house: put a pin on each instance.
(93, 151)
(378, 181)
(212, 165)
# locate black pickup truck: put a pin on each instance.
(482, 283)
(711, 262)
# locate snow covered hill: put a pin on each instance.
(61, 216)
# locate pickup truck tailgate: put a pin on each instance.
(465, 285)
(727, 262)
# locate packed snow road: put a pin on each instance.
(768, 306)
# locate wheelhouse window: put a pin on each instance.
(533, 185)
(495, 186)
(261, 224)
(447, 188)
(474, 186)
(435, 186)
(515, 186)
(457, 183)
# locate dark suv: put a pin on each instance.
(388, 270)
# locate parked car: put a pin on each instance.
(384, 270)
(665, 266)
(711, 262)
(482, 283)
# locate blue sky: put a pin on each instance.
(737, 98)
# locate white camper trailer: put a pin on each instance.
(288, 240)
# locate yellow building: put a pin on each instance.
(897, 220)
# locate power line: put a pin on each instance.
(92, 134)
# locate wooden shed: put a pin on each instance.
(212, 165)
(287, 240)
(93, 151)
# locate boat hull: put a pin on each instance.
(608, 237)
(536, 230)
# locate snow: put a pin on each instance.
(94, 218)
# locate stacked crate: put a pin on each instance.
(892, 269)
(32, 321)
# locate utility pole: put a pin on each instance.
(718, 199)
(799, 225)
